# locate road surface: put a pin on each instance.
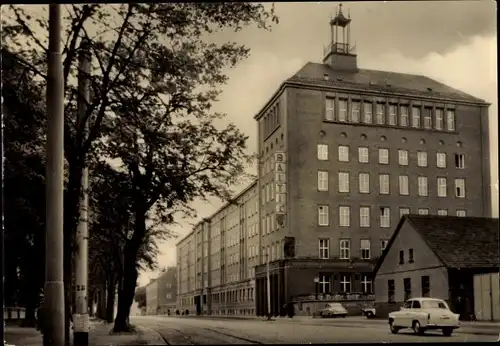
(208, 331)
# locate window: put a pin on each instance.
(428, 118)
(391, 290)
(364, 217)
(383, 244)
(460, 161)
(407, 287)
(391, 119)
(324, 284)
(368, 117)
(426, 286)
(422, 159)
(385, 217)
(365, 248)
(344, 216)
(441, 160)
(330, 109)
(364, 183)
(343, 110)
(383, 156)
(169, 295)
(380, 113)
(460, 188)
(322, 181)
(441, 187)
(403, 157)
(423, 211)
(383, 180)
(343, 153)
(345, 249)
(415, 116)
(404, 211)
(461, 213)
(422, 186)
(438, 123)
(322, 152)
(450, 120)
(403, 117)
(366, 284)
(324, 248)
(345, 284)
(410, 256)
(343, 182)
(442, 212)
(403, 185)
(363, 155)
(355, 110)
(401, 257)
(323, 219)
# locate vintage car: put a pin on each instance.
(368, 311)
(333, 310)
(423, 314)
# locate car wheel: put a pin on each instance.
(417, 328)
(369, 314)
(394, 329)
(344, 316)
(447, 331)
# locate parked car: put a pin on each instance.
(369, 311)
(333, 310)
(422, 314)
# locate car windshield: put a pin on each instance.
(434, 304)
(337, 305)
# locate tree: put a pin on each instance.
(24, 189)
(161, 45)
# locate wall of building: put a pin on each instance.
(167, 290)
(152, 297)
(426, 263)
(306, 129)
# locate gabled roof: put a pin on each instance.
(459, 242)
(390, 82)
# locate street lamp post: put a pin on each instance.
(268, 287)
(54, 331)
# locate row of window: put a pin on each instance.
(326, 282)
(384, 184)
(383, 156)
(364, 215)
(345, 248)
(234, 296)
(425, 287)
(432, 118)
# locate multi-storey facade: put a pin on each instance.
(152, 297)
(167, 290)
(343, 153)
(224, 257)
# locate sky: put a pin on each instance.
(453, 42)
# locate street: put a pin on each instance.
(208, 331)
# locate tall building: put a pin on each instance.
(344, 152)
(167, 290)
(216, 260)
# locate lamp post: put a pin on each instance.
(316, 284)
(268, 287)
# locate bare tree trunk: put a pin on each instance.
(110, 300)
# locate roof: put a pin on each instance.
(391, 82)
(459, 242)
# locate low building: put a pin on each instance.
(152, 297)
(167, 291)
(440, 257)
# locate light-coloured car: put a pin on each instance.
(333, 310)
(423, 314)
(369, 312)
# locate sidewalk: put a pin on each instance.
(99, 334)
